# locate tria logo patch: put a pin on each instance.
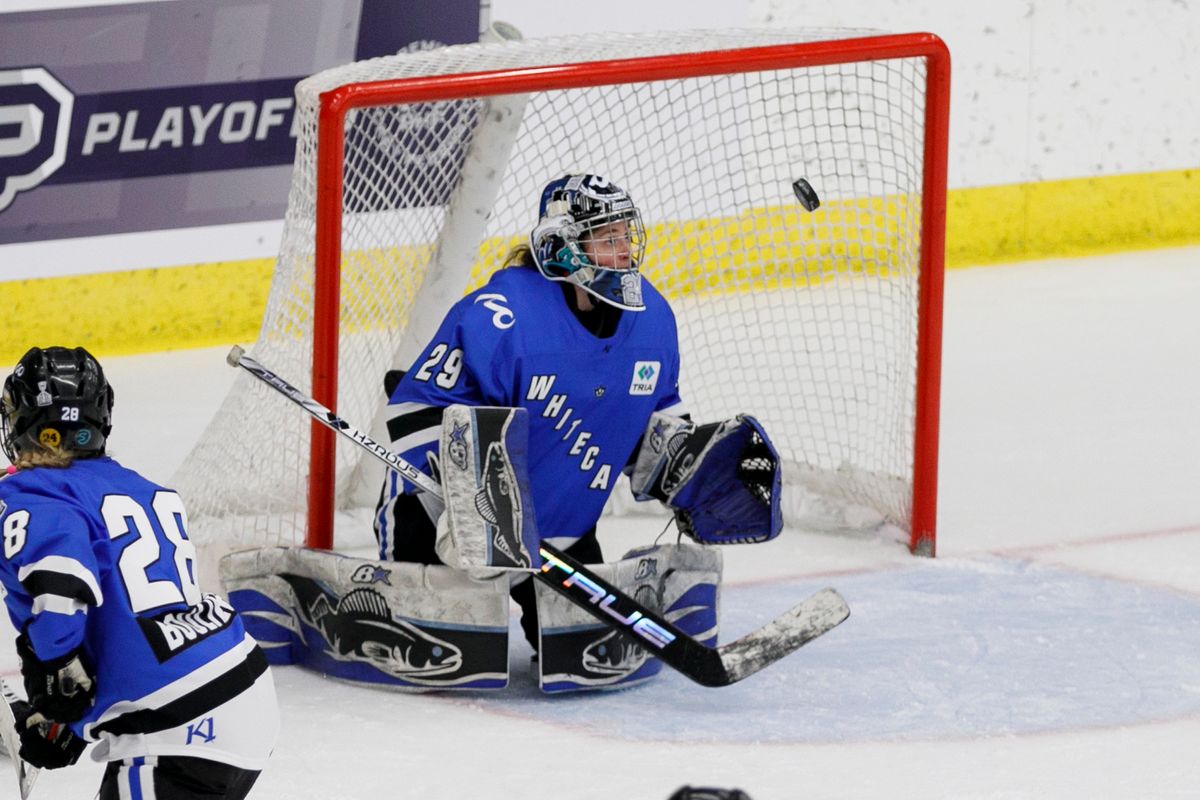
(645, 377)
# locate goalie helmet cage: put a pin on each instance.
(416, 174)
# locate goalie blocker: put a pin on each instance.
(722, 479)
(488, 519)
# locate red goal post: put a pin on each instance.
(330, 143)
(871, 230)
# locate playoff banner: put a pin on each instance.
(162, 115)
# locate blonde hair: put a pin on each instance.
(519, 256)
(44, 456)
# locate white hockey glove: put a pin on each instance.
(722, 479)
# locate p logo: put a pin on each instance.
(35, 122)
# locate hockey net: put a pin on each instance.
(416, 174)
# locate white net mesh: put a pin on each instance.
(806, 320)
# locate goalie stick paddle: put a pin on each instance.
(11, 739)
(708, 666)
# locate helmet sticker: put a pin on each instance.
(631, 289)
(49, 437)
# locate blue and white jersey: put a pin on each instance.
(515, 342)
(96, 556)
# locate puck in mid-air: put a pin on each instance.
(806, 194)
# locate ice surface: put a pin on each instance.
(1052, 650)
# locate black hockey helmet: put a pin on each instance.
(56, 397)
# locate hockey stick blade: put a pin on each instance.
(11, 739)
(708, 666)
(820, 613)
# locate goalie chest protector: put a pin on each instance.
(514, 342)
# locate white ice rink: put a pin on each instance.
(1052, 650)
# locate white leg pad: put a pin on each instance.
(404, 626)
(577, 652)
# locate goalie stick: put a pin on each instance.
(11, 741)
(708, 666)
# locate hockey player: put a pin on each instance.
(117, 644)
(536, 392)
(570, 332)
(591, 353)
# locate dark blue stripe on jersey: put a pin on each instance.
(403, 425)
(60, 584)
(193, 704)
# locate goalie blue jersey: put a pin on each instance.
(515, 342)
(96, 556)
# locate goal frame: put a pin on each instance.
(334, 105)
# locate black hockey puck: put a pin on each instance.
(806, 194)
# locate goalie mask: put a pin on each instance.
(56, 398)
(591, 234)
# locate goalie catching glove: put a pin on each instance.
(722, 479)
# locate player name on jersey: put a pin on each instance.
(175, 631)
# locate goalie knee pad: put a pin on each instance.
(579, 653)
(722, 479)
(401, 626)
